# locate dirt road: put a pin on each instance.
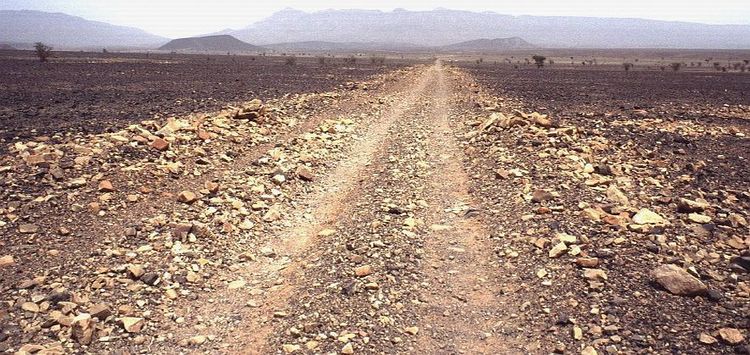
(419, 214)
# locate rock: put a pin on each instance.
(588, 262)
(273, 214)
(160, 144)
(28, 228)
(30, 307)
(7, 260)
(290, 348)
(136, 271)
(411, 330)
(267, 252)
(304, 173)
(347, 349)
(589, 350)
(326, 232)
(731, 335)
(212, 187)
(595, 274)
(363, 270)
(278, 179)
(557, 250)
(236, 284)
(197, 340)
(132, 324)
(106, 186)
(577, 333)
(616, 196)
(699, 218)
(689, 206)
(150, 278)
(646, 216)
(539, 196)
(100, 311)
(706, 339)
(83, 328)
(187, 197)
(678, 281)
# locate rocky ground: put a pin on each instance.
(429, 209)
(98, 92)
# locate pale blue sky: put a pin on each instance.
(179, 18)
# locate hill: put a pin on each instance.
(488, 45)
(322, 46)
(220, 43)
(69, 32)
(443, 27)
(6, 47)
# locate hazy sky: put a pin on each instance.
(180, 18)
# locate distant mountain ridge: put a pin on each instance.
(444, 27)
(64, 31)
(224, 43)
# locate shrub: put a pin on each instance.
(627, 66)
(43, 51)
(539, 60)
(377, 60)
(676, 66)
(291, 60)
(350, 60)
(321, 60)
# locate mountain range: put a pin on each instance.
(443, 27)
(65, 31)
(399, 30)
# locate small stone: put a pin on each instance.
(540, 196)
(290, 348)
(363, 270)
(678, 281)
(267, 252)
(278, 179)
(171, 294)
(150, 278)
(412, 330)
(7, 260)
(577, 333)
(595, 274)
(706, 339)
(326, 232)
(557, 250)
(236, 284)
(198, 340)
(689, 206)
(187, 197)
(106, 186)
(132, 324)
(28, 228)
(699, 218)
(348, 349)
(136, 271)
(646, 216)
(100, 311)
(160, 144)
(588, 262)
(589, 350)
(731, 335)
(304, 173)
(30, 307)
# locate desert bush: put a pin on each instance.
(539, 60)
(627, 66)
(43, 51)
(321, 60)
(377, 60)
(676, 66)
(717, 66)
(291, 60)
